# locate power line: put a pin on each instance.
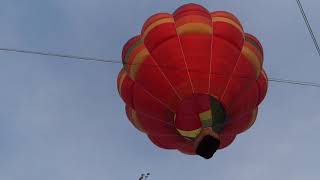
(59, 55)
(275, 80)
(308, 26)
(301, 83)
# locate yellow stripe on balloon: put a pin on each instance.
(253, 59)
(136, 121)
(155, 24)
(190, 134)
(205, 115)
(227, 20)
(193, 19)
(253, 118)
(123, 76)
(206, 119)
(136, 63)
(198, 28)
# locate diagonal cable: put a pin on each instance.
(275, 80)
(59, 55)
(301, 83)
(308, 26)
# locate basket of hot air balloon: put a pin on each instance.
(192, 80)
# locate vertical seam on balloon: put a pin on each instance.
(184, 57)
(231, 75)
(163, 74)
(211, 57)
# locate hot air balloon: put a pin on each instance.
(192, 80)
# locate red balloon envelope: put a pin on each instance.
(188, 69)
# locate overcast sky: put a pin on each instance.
(63, 119)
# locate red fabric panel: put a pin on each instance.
(188, 13)
(197, 51)
(235, 90)
(156, 127)
(160, 34)
(241, 111)
(153, 80)
(244, 69)
(246, 102)
(187, 116)
(187, 149)
(229, 33)
(147, 104)
(159, 143)
(224, 56)
(179, 15)
(169, 56)
(155, 118)
(241, 81)
(224, 59)
(226, 140)
(194, 8)
(239, 123)
(196, 48)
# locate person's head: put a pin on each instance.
(208, 146)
